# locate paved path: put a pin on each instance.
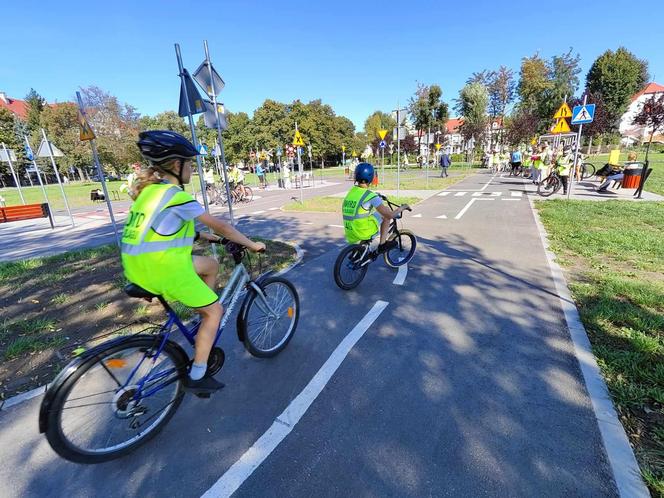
(466, 383)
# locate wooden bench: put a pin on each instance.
(26, 212)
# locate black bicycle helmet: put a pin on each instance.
(160, 146)
(364, 172)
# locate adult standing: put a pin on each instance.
(260, 173)
(445, 162)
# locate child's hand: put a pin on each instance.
(258, 247)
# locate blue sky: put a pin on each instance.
(356, 56)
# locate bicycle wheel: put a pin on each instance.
(549, 186)
(348, 273)
(248, 194)
(587, 170)
(404, 251)
(115, 401)
(268, 322)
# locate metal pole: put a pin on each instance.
(192, 128)
(11, 167)
(57, 176)
(428, 153)
(576, 156)
(219, 138)
(398, 145)
(100, 172)
(41, 184)
(299, 168)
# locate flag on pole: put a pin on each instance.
(44, 152)
(196, 103)
(202, 76)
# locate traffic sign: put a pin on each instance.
(437, 146)
(343, 148)
(252, 154)
(382, 144)
(202, 150)
(280, 151)
(563, 112)
(382, 133)
(86, 130)
(561, 126)
(583, 114)
(297, 139)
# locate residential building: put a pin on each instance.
(16, 106)
(635, 134)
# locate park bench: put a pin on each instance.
(26, 212)
(99, 196)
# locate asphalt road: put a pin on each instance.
(466, 384)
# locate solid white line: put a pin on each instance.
(336, 226)
(284, 423)
(442, 217)
(467, 206)
(510, 200)
(479, 190)
(417, 215)
(401, 275)
(273, 209)
(258, 212)
(459, 194)
(621, 457)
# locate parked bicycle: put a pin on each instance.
(550, 185)
(217, 195)
(115, 397)
(353, 262)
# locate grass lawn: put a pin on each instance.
(655, 182)
(78, 194)
(325, 204)
(54, 305)
(613, 253)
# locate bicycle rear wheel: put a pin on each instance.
(348, 270)
(248, 194)
(549, 186)
(115, 401)
(404, 250)
(268, 321)
(587, 170)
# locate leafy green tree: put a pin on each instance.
(9, 138)
(616, 77)
(471, 105)
(378, 121)
(534, 83)
(237, 137)
(427, 110)
(502, 90)
(651, 116)
(168, 120)
(35, 104)
(521, 127)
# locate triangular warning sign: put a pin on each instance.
(563, 112)
(86, 129)
(382, 133)
(561, 127)
(297, 140)
(44, 151)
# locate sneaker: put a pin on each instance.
(390, 244)
(204, 385)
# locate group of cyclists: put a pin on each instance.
(159, 235)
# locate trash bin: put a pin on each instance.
(632, 176)
(374, 182)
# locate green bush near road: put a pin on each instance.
(613, 253)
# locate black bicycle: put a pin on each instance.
(587, 170)
(550, 185)
(353, 262)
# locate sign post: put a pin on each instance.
(8, 157)
(39, 179)
(49, 148)
(381, 134)
(343, 157)
(87, 134)
(299, 143)
(398, 111)
(581, 114)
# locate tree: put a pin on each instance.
(502, 90)
(9, 138)
(616, 77)
(471, 105)
(61, 124)
(533, 83)
(237, 137)
(563, 73)
(379, 121)
(35, 104)
(168, 120)
(521, 127)
(651, 116)
(427, 110)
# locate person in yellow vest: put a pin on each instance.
(158, 237)
(364, 213)
(564, 162)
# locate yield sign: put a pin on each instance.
(561, 127)
(382, 133)
(563, 112)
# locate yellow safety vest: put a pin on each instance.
(359, 223)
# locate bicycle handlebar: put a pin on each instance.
(392, 204)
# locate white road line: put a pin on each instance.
(488, 194)
(478, 190)
(443, 194)
(517, 194)
(442, 217)
(336, 226)
(284, 423)
(510, 199)
(258, 212)
(459, 194)
(618, 450)
(401, 275)
(417, 215)
(467, 206)
(273, 209)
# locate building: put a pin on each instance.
(18, 108)
(635, 134)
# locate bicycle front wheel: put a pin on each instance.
(403, 252)
(349, 269)
(549, 186)
(116, 401)
(587, 170)
(268, 319)
(248, 194)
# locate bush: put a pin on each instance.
(458, 158)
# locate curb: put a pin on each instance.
(300, 254)
(625, 469)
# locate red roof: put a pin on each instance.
(650, 88)
(15, 106)
(453, 124)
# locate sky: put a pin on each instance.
(357, 56)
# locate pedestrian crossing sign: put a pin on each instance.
(583, 114)
(563, 112)
(297, 140)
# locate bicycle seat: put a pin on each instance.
(134, 290)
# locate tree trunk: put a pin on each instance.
(590, 144)
(649, 142)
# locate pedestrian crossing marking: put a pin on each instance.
(491, 194)
(442, 217)
(517, 194)
(443, 194)
(459, 194)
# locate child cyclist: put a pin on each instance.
(364, 211)
(158, 237)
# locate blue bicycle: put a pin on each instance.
(115, 397)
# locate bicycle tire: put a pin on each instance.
(291, 311)
(549, 186)
(248, 194)
(394, 258)
(587, 170)
(54, 432)
(360, 271)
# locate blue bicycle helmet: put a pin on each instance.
(364, 172)
(160, 146)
